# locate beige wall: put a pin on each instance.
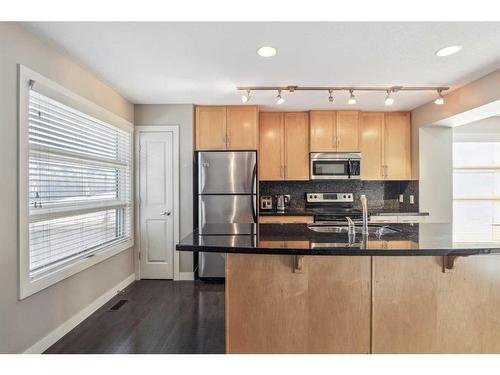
(181, 115)
(23, 323)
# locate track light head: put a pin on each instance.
(330, 98)
(388, 99)
(352, 98)
(440, 99)
(245, 98)
(279, 98)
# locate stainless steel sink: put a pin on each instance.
(379, 230)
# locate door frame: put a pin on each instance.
(175, 184)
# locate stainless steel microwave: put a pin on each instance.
(335, 165)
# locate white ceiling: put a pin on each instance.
(202, 63)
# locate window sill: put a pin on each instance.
(29, 286)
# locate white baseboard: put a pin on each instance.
(76, 319)
(186, 276)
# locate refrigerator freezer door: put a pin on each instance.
(227, 172)
(213, 264)
(224, 209)
(227, 229)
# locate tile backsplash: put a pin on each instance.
(380, 194)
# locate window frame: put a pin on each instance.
(30, 285)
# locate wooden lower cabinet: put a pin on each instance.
(272, 309)
(419, 309)
(346, 304)
(265, 219)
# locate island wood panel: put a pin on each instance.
(271, 150)
(371, 142)
(322, 131)
(419, 309)
(397, 144)
(271, 309)
(211, 128)
(242, 128)
(296, 146)
(348, 131)
(264, 219)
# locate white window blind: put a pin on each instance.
(79, 184)
(476, 191)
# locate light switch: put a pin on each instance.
(412, 199)
(401, 198)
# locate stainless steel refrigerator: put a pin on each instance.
(227, 186)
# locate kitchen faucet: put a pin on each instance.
(364, 230)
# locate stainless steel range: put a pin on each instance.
(333, 208)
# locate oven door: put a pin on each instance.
(329, 169)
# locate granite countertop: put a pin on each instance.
(298, 239)
(314, 211)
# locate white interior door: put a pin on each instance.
(156, 190)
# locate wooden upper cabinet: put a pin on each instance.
(323, 127)
(226, 128)
(397, 143)
(385, 146)
(371, 140)
(210, 128)
(271, 150)
(334, 131)
(297, 146)
(347, 131)
(242, 128)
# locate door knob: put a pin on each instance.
(166, 213)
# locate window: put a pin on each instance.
(476, 191)
(78, 187)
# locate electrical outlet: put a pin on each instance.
(412, 199)
(401, 198)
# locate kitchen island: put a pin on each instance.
(411, 289)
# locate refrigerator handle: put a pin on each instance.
(254, 193)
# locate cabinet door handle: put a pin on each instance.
(228, 142)
(334, 141)
(338, 142)
(286, 171)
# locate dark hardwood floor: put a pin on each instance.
(159, 316)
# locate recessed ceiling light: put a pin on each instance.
(447, 51)
(266, 51)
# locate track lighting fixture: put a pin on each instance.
(246, 98)
(440, 99)
(279, 99)
(330, 98)
(352, 98)
(388, 99)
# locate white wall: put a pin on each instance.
(474, 101)
(486, 130)
(436, 173)
(181, 115)
(23, 323)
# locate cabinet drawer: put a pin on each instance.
(383, 219)
(412, 219)
(286, 219)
